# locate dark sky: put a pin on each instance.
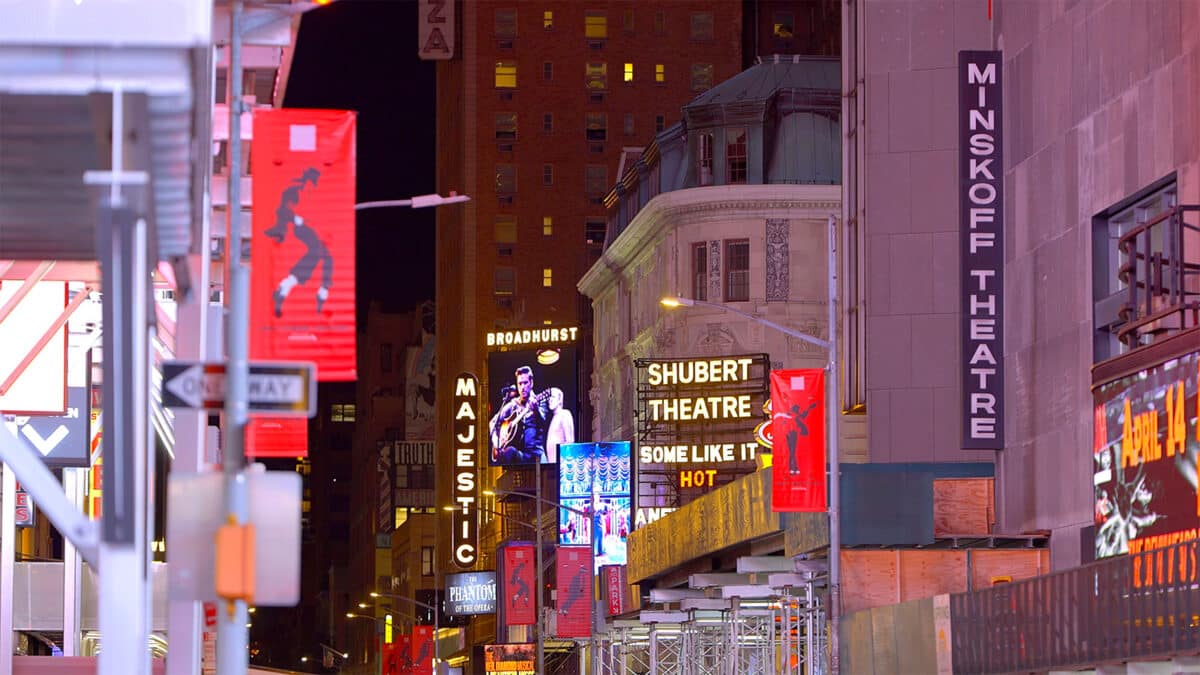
(362, 55)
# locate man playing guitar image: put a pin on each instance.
(519, 429)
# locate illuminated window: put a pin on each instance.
(426, 561)
(506, 280)
(704, 158)
(547, 226)
(547, 277)
(702, 76)
(629, 72)
(595, 25)
(506, 179)
(548, 20)
(506, 74)
(629, 124)
(737, 270)
(700, 271)
(702, 26)
(596, 179)
(506, 229)
(597, 126)
(506, 23)
(341, 412)
(548, 122)
(506, 126)
(660, 73)
(547, 71)
(735, 154)
(783, 25)
(547, 174)
(597, 76)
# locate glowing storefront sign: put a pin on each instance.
(465, 535)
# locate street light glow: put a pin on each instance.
(362, 605)
(676, 301)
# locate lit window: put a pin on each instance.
(547, 174)
(702, 26)
(783, 24)
(506, 179)
(506, 229)
(660, 73)
(547, 277)
(597, 76)
(629, 72)
(595, 25)
(735, 154)
(597, 126)
(506, 126)
(426, 561)
(548, 122)
(506, 280)
(341, 412)
(548, 20)
(506, 74)
(547, 226)
(702, 76)
(506, 23)
(737, 270)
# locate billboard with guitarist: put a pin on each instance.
(532, 393)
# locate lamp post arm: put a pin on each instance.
(548, 502)
(823, 344)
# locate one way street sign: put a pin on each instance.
(277, 388)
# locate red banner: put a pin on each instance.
(391, 657)
(517, 585)
(615, 589)
(422, 650)
(798, 432)
(302, 271)
(277, 437)
(574, 591)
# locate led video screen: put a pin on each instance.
(532, 404)
(594, 483)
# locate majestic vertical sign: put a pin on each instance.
(465, 535)
(518, 585)
(798, 427)
(981, 247)
(574, 591)
(302, 272)
(435, 29)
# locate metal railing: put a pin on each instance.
(1162, 280)
(1140, 606)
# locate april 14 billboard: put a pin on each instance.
(594, 485)
(532, 402)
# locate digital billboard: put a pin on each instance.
(515, 658)
(1145, 448)
(531, 403)
(470, 593)
(593, 483)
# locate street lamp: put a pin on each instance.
(831, 428)
(418, 202)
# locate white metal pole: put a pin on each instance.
(8, 552)
(537, 526)
(833, 407)
(73, 486)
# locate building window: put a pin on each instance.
(597, 126)
(506, 229)
(341, 412)
(547, 226)
(596, 179)
(702, 26)
(735, 154)
(426, 561)
(506, 74)
(506, 23)
(548, 20)
(702, 76)
(547, 277)
(737, 270)
(506, 179)
(597, 76)
(784, 24)
(629, 124)
(547, 71)
(548, 122)
(704, 169)
(660, 123)
(547, 174)
(593, 231)
(660, 73)
(629, 72)
(660, 23)
(506, 280)
(385, 357)
(506, 126)
(595, 25)
(700, 271)
(627, 21)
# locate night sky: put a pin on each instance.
(362, 55)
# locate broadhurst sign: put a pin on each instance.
(465, 535)
(981, 243)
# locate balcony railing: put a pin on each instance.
(1133, 607)
(1160, 267)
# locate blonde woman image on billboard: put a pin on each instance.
(562, 425)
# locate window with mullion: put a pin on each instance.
(737, 270)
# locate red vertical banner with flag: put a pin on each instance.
(798, 440)
(421, 650)
(302, 256)
(517, 585)
(575, 584)
(389, 657)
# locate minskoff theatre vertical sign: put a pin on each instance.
(981, 208)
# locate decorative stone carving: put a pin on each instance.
(714, 271)
(715, 338)
(777, 259)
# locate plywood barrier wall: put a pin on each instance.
(963, 506)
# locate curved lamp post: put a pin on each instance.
(417, 202)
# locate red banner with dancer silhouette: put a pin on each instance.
(518, 585)
(422, 651)
(302, 267)
(575, 583)
(798, 435)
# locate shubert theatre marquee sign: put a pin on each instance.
(695, 426)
